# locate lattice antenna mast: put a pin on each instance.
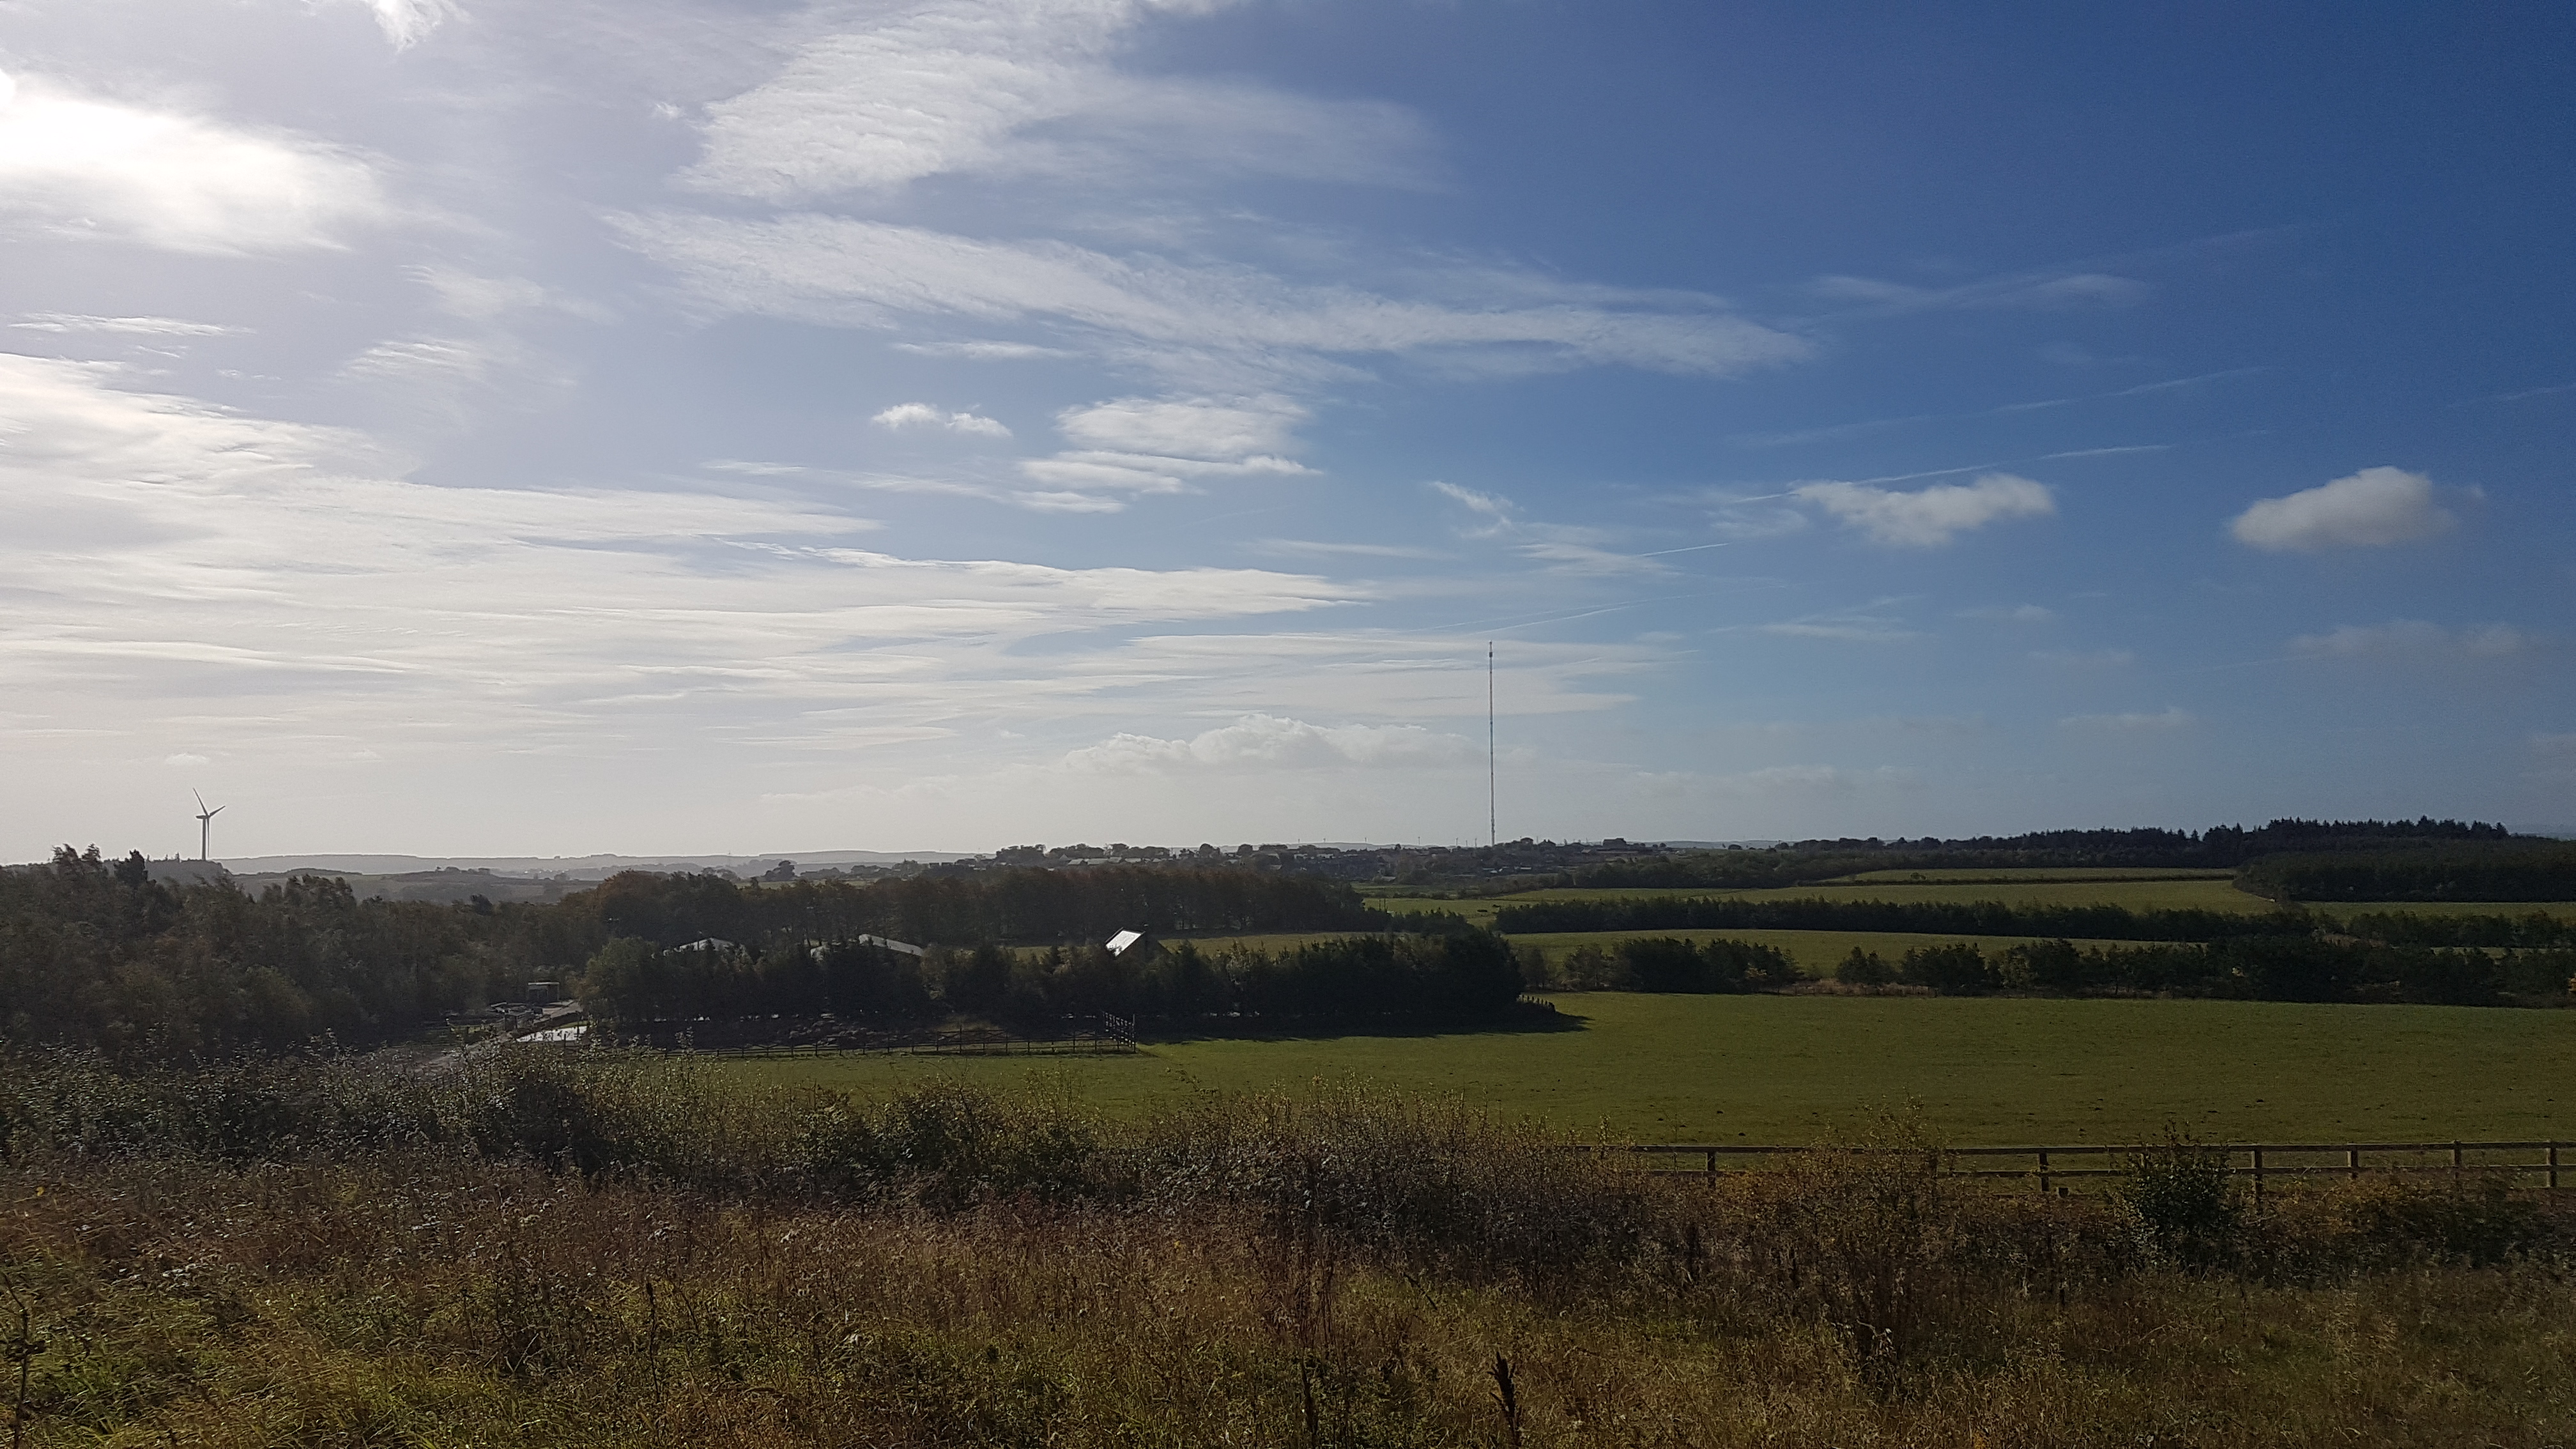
(1493, 835)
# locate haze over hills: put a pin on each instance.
(576, 867)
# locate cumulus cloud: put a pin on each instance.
(2169, 718)
(1270, 742)
(923, 415)
(2412, 636)
(2373, 508)
(75, 165)
(1933, 516)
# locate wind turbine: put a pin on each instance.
(205, 825)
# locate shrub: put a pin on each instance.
(1957, 966)
(2185, 1200)
(1864, 968)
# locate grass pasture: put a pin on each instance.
(1816, 953)
(2166, 893)
(1793, 1069)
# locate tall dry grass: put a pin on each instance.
(621, 1253)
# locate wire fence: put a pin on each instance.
(2523, 1163)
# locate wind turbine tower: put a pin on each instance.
(205, 826)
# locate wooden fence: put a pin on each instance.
(2046, 1167)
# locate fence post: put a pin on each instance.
(2553, 1167)
(2043, 1172)
(1712, 1165)
(2352, 1163)
(2455, 1166)
(2258, 1174)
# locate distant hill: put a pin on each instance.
(574, 867)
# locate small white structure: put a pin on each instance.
(1133, 946)
(707, 943)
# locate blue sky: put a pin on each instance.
(505, 427)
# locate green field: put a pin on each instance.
(2033, 874)
(2169, 893)
(1815, 952)
(1794, 1068)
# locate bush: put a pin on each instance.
(1957, 966)
(2185, 1200)
(1864, 968)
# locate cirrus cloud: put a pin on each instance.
(2412, 636)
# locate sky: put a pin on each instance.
(551, 426)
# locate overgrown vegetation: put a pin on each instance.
(601, 1249)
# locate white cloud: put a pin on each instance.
(1316, 548)
(923, 415)
(408, 22)
(2023, 614)
(73, 165)
(1929, 517)
(184, 761)
(947, 88)
(1496, 510)
(126, 326)
(2373, 508)
(2039, 291)
(238, 571)
(1849, 631)
(2412, 636)
(478, 298)
(1785, 782)
(1189, 320)
(2169, 718)
(1185, 427)
(1063, 501)
(1269, 742)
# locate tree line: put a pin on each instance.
(94, 953)
(1948, 918)
(2249, 968)
(1460, 976)
(2519, 871)
(2219, 847)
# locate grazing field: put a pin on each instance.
(2028, 875)
(1815, 953)
(2180, 893)
(1794, 1069)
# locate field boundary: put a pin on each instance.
(2257, 1160)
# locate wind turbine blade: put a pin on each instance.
(218, 810)
(201, 802)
